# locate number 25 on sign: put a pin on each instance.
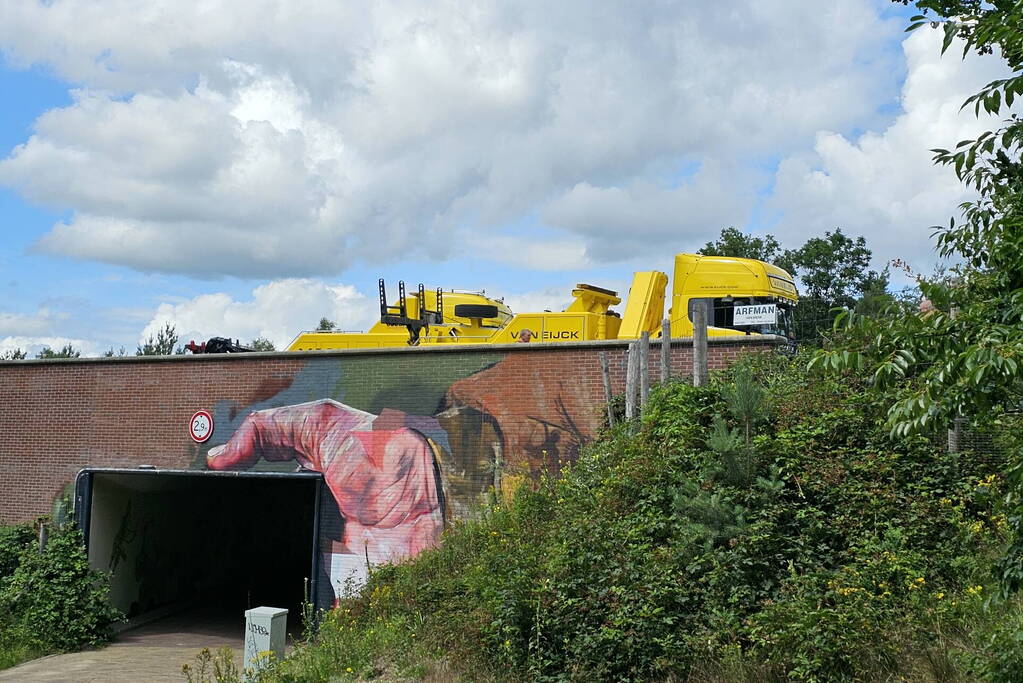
(201, 426)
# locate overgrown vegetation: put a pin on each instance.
(961, 358)
(765, 528)
(50, 601)
(209, 667)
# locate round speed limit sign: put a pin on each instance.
(201, 426)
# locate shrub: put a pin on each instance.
(13, 540)
(52, 600)
(709, 537)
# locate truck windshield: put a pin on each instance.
(721, 314)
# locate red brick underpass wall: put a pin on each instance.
(536, 403)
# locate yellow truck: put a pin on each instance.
(740, 296)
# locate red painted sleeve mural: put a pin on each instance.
(396, 476)
(381, 472)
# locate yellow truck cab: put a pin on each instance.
(741, 296)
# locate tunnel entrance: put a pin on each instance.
(174, 540)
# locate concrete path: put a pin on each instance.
(153, 652)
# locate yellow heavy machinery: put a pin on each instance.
(740, 296)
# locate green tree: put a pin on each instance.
(834, 269)
(164, 344)
(326, 325)
(834, 273)
(734, 242)
(261, 344)
(966, 357)
(876, 299)
(964, 361)
(67, 351)
(110, 353)
(13, 354)
(746, 402)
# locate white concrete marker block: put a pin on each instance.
(265, 629)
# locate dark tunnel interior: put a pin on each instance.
(176, 540)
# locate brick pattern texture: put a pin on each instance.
(540, 400)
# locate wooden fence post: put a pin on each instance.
(700, 373)
(644, 369)
(665, 351)
(955, 432)
(630, 381)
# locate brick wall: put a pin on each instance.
(538, 401)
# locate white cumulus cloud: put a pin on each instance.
(629, 221)
(529, 252)
(43, 321)
(883, 185)
(277, 311)
(271, 139)
(32, 345)
(46, 327)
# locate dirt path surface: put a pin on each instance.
(153, 652)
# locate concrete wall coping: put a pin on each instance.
(748, 340)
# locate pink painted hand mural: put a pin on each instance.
(380, 472)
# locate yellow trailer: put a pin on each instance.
(740, 296)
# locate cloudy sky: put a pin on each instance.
(243, 169)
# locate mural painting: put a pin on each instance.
(405, 448)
